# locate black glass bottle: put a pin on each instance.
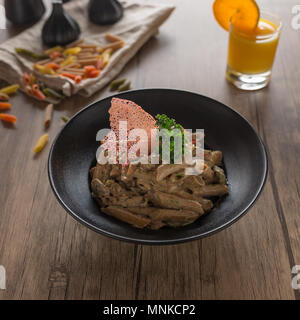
(60, 28)
(105, 11)
(22, 12)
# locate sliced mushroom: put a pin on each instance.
(208, 175)
(115, 172)
(220, 175)
(165, 170)
(99, 189)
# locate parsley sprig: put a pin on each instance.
(164, 122)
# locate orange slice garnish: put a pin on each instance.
(243, 14)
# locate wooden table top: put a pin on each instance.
(48, 255)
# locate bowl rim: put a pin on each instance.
(130, 239)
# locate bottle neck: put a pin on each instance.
(57, 5)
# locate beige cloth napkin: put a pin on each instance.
(140, 22)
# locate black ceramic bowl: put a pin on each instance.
(74, 150)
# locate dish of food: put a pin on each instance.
(157, 195)
(73, 154)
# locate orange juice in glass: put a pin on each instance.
(251, 54)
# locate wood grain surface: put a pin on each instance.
(48, 255)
